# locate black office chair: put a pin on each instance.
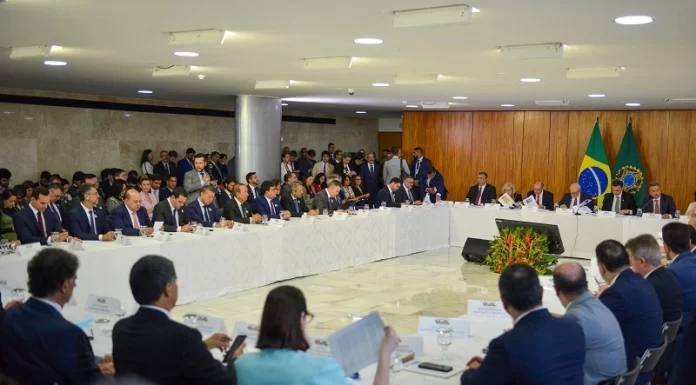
(630, 377)
(651, 357)
(670, 330)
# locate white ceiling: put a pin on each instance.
(111, 47)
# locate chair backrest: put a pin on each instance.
(652, 356)
(629, 377)
(670, 329)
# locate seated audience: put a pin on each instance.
(684, 370)
(349, 198)
(319, 182)
(35, 224)
(327, 199)
(282, 359)
(658, 203)
(575, 198)
(540, 349)
(618, 200)
(155, 188)
(55, 195)
(87, 222)
(21, 197)
(38, 344)
(78, 178)
(66, 189)
(434, 188)
(118, 189)
(359, 191)
(294, 203)
(130, 216)
(406, 194)
(289, 179)
(633, 301)
(309, 193)
(171, 211)
(268, 204)
(166, 192)
(676, 239)
(147, 198)
(387, 196)
(7, 229)
(203, 211)
(5, 177)
(153, 347)
(511, 191)
(107, 179)
(88, 179)
(239, 209)
(227, 192)
(605, 356)
(482, 192)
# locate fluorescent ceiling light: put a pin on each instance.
(171, 71)
(634, 20)
(368, 41)
(186, 54)
(596, 95)
(632, 104)
(201, 77)
(144, 91)
(411, 106)
(530, 80)
(435, 105)
(681, 100)
(460, 97)
(272, 84)
(532, 51)
(450, 14)
(380, 84)
(552, 103)
(203, 36)
(360, 112)
(283, 104)
(55, 63)
(593, 72)
(416, 79)
(507, 105)
(33, 51)
(327, 63)
(475, 10)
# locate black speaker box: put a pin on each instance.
(475, 250)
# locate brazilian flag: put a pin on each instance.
(629, 168)
(594, 176)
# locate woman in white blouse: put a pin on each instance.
(146, 163)
(285, 166)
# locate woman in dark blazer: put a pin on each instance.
(509, 189)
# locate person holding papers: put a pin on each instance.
(283, 359)
(543, 198)
(618, 200)
(130, 216)
(575, 198)
(482, 192)
(511, 191)
(406, 194)
(540, 349)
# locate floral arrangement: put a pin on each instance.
(520, 245)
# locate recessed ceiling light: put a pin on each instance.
(530, 80)
(201, 77)
(475, 10)
(507, 105)
(360, 112)
(632, 104)
(55, 63)
(186, 54)
(56, 48)
(144, 91)
(460, 97)
(634, 20)
(283, 104)
(368, 41)
(411, 106)
(380, 84)
(596, 95)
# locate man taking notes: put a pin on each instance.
(618, 200)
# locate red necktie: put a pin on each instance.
(539, 200)
(574, 202)
(41, 225)
(478, 196)
(656, 209)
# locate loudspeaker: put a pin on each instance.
(475, 250)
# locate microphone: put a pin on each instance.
(583, 204)
(646, 204)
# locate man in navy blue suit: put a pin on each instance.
(434, 186)
(228, 193)
(185, 165)
(39, 346)
(169, 187)
(86, 221)
(55, 193)
(34, 223)
(676, 244)
(575, 198)
(419, 171)
(268, 204)
(540, 349)
(387, 195)
(371, 173)
(130, 216)
(203, 211)
(633, 301)
(658, 203)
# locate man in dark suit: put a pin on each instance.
(343, 168)
(676, 245)
(38, 344)
(92, 180)
(130, 216)
(214, 167)
(539, 349)
(633, 301)
(87, 222)
(684, 370)
(482, 192)
(77, 179)
(151, 346)
(371, 173)
(327, 199)
(575, 198)
(544, 199)
(55, 193)
(203, 211)
(227, 193)
(238, 209)
(34, 223)
(166, 192)
(419, 171)
(387, 195)
(406, 194)
(171, 212)
(253, 185)
(289, 179)
(185, 165)
(268, 203)
(294, 202)
(658, 203)
(164, 167)
(434, 187)
(306, 163)
(618, 200)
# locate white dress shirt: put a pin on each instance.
(52, 304)
(159, 309)
(176, 214)
(241, 208)
(43, 221)
(526, 313)
(94, 213)
(613, 203)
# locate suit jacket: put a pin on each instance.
(546, 199)
(567, 200)
(684, 370)
(319, 168)
(160, 170)
(223, 198)
(540, 349)
(385, 195)
(487, 195)
(183, 167)
(41, 347)
(668, 293)
(234, 212)
(289, 205)
(262, 208)
(635, 305)
(684, 268)
(195, 212)
(120, 218)
(192, 185)
(422, 173)
(215, 172)
(152, 346)
(322, 201)
(164, 193)
(341, 170)
(372, 181)
(402, 196)
(305, 166)
(666, 205)
(395, 168)
(27, 228)
(163, 213)
(75, 202)
(254, 192)
(78, 224)
(59, 212)
(438, 182)
(628, 202)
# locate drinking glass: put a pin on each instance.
(677, 214)
(143, 231)
(383, 204)
(444, 339)
(325, 212)
(117, 234)
(4, 247)
(191, 320)
(18, 294)
(395, 367)
(194, 226)
(264, 219)
(223, 222)
(639, 213)
(55, 236)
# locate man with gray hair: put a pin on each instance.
(575, 197)
(605, 355)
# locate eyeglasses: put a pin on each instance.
(309, 317)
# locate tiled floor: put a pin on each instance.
(434, 283)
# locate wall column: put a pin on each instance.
(257, 137)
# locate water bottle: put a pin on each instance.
(555, 206)
(677, 214)
(639, 213)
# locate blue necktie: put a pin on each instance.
(91, 222)
(205, 214)
(297, 208)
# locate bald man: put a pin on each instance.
(605, 356)
(575, 197)
(543, 198)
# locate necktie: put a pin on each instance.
(575, 202)
(205, 214)
(410, 198)
(656, 209)
(347, 169)
(478, 196)
(418, 166)
(272, 209)
(297, 208)
(372, 171)
(539, 200)
(91, 221)
(241, 209)
(134, 219)
(617, 204)
(202, 174)
(176, 220)
(324, 168)
(39, 220)
(166, 166)
(57, 212)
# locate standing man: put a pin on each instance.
(323, 167)
(163, 167)
(253, 185)
(306, 163)
(214, 167)
(344, 169)
(419, 170)
(482, 192)
(434, 188)
(331, 148)
(575, 198)
(222, 164)
(396, 167)
(195, 179)
(659, 203)
(238, 209)
(543, 198)
(619, 201)
(676, 245)
(371, 173)
(186, 164)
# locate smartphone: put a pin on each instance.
(436, 367)
(229, 357)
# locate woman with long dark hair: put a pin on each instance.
(118, 189)
(146, 162)
(8, 210)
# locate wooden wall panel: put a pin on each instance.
(453, 165)
(557, 178)
(535, 154)
(650, 128)
(389, 140)
(677, 180)
(690, 194)
(613, 127)
(492, 137)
